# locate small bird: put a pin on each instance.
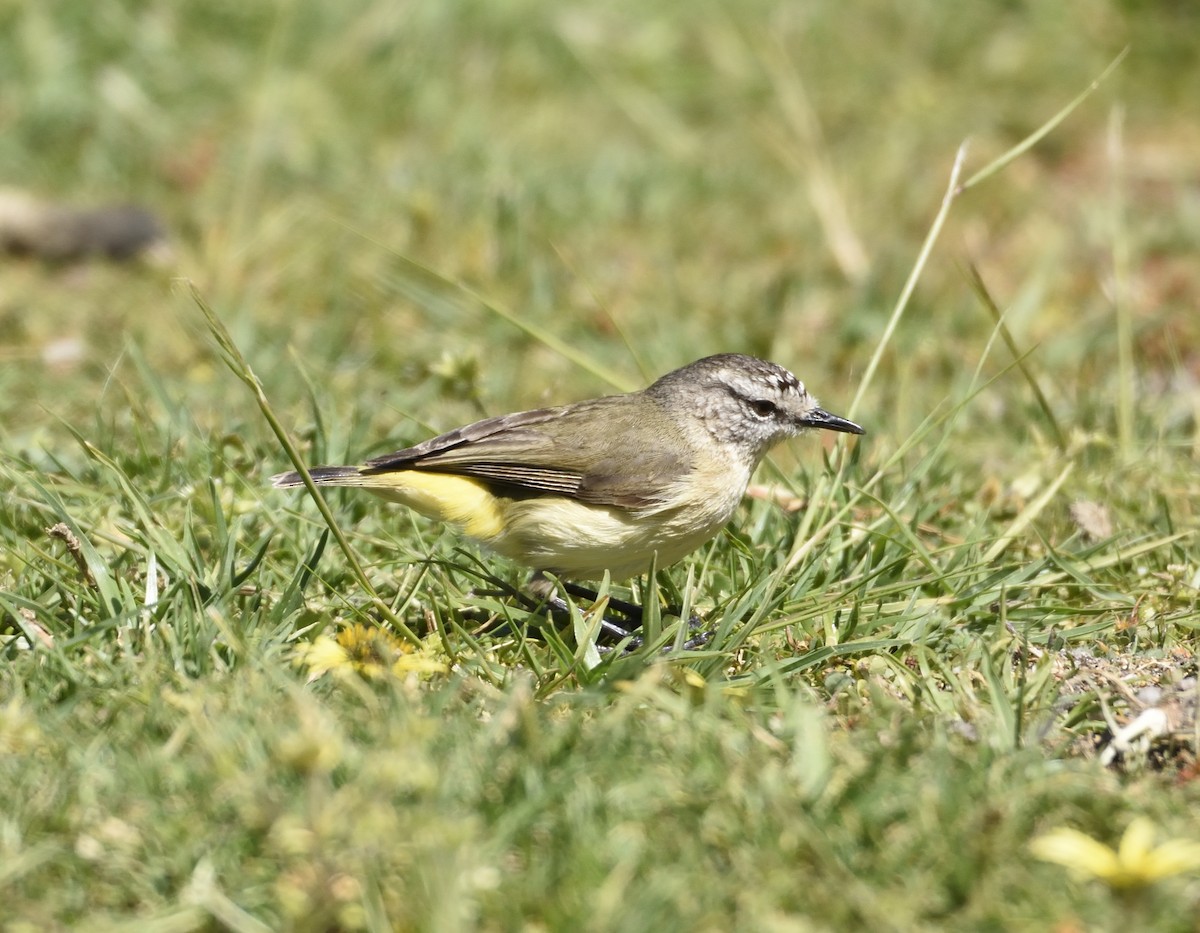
(609, 484)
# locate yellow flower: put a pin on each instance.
(1135, 862)
(322, 656)
(368, 651)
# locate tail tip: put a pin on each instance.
(333, 476)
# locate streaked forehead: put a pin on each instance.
(784, 380)
(765, 375)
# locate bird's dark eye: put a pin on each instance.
(762, 407)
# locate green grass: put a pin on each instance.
(408, 216)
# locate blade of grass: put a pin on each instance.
(544, 337)
(238, 365)
(807, 153)
(910, 285)
(985, 296)
(101, 575)
(1120, 288)
(1042, 131)
(1028, 514)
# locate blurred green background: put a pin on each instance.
(647, 183)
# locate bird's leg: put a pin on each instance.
(542, 587)
(631, 611)
(631, 614)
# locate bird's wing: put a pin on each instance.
(579, 451)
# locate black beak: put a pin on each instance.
(819, 418)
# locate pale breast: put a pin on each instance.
(572, 538)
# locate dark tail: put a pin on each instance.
(322, 476)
